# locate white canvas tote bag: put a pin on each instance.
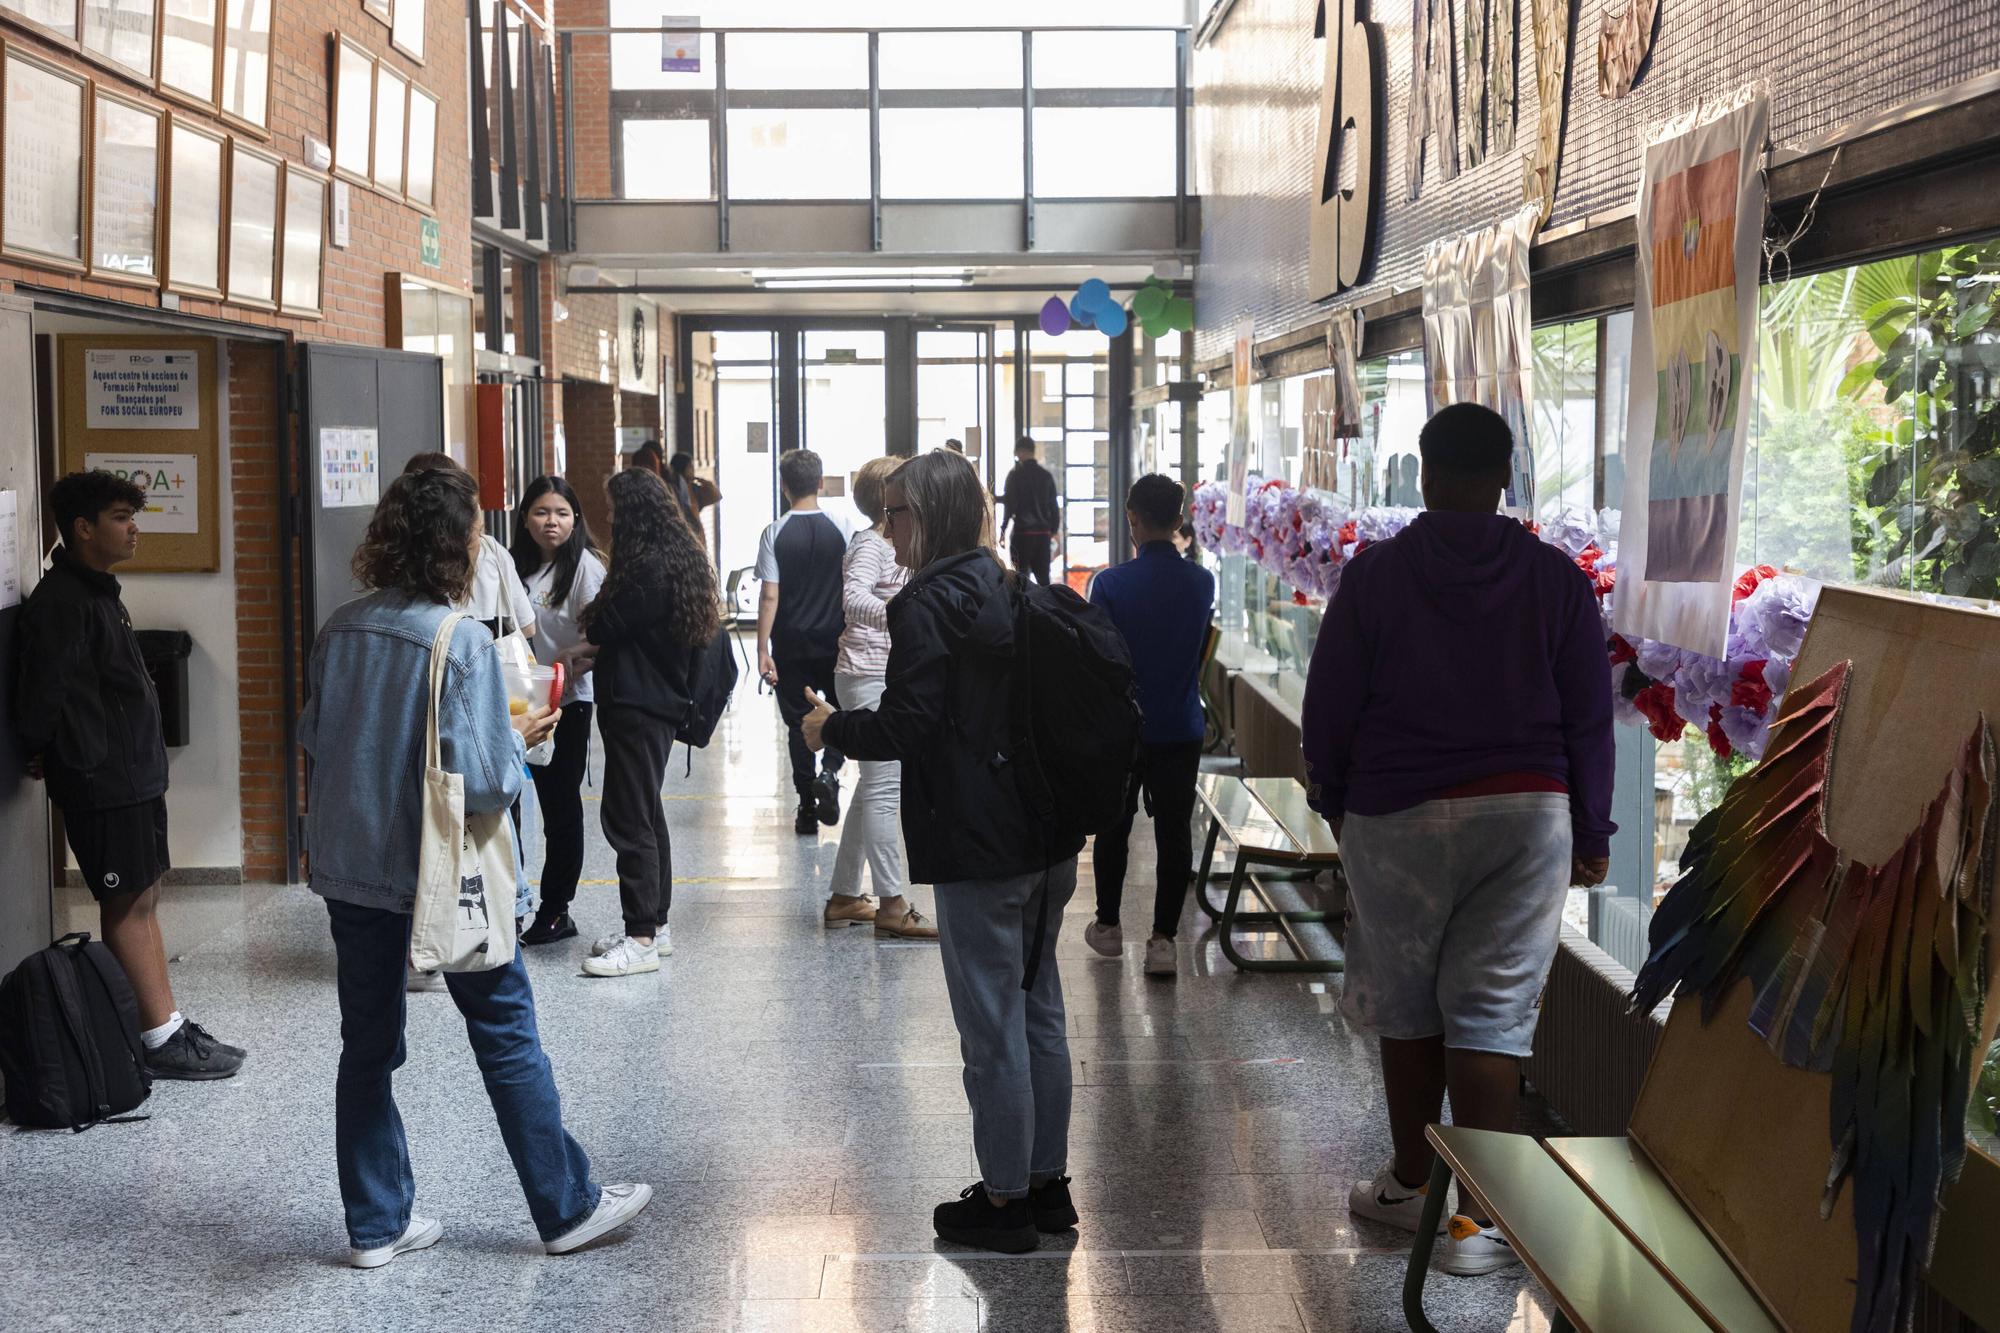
(464, 915)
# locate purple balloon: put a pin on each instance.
(1055, 317)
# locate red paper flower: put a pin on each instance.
(1603, 581)
(1751, 578)
(1717, 740)
(1350, 532)
(1622, 650)
(1751, 692)
(1587, 558)
(1299, 599)
(1656, 702)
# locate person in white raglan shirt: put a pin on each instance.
(496, 587)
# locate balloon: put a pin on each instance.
(1155, 325)
(1081, 315)
(1180, 314)
(1149, 302)
(1093, 296)
(1055, 317)
(1111, 320)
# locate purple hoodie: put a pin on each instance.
(1462, 648)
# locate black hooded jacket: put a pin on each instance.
(947, 713)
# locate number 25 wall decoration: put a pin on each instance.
(1348, 147)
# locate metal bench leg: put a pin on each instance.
(1233, 916)
(1208, 908)
(1420, 1250)
(1228, 920)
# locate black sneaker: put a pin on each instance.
(826, 798)
(192, 1054)
(807, 820)
(1053, 1209)
(549, 929)
(971, 1219)
(209, 1037)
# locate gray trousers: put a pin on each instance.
(1015, 1043)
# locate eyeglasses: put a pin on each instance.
(889, 513)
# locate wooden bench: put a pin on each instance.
(1267, 823)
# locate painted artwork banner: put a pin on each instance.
(1239, 416)
(1694, 349)
(1478, 336)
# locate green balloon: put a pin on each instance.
(1155, 325)
(1180, 314)
(1149, 302)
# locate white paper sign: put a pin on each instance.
(171, 483)
(142, 389)
(350, 467)
(10, 550)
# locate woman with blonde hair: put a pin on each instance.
(870, 580)
(946, 711)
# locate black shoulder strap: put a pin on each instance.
(132, 1042)
(62, 981)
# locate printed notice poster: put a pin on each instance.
(142, 389)
(10, 549)
(1239, 422)
(171, 483)
(350, 467)
(680, 50)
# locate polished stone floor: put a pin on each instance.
(793, 1094)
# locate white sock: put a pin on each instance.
(157, 1037)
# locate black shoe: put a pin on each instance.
(192, 1054)
(826, 798)
(971, 1219)
(549, 929)
(1052, 1207)
(807, 821)
(209, 1037)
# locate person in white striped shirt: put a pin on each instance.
(870, 578)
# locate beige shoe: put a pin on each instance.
(842, 911)
(911, 925)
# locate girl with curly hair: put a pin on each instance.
(650, 621)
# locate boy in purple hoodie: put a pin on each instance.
(1457, 732)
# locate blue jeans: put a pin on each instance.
(376, 1186)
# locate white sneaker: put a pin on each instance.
(616, 1206)
(663, 943)
(416, 981)
(606, 944)
(1388, 1200)
(1471, 1250)
(1160, 958)
(423, 1232)
(1107, 940)
(623, 959)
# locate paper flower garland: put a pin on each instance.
(1307, 537)
(1155, 307)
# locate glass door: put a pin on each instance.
(746, 445)
(844, 407)
(955, 391)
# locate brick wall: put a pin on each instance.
(591, 413)
(583, 344)
(384, 231)
(253, 465)
(590, 77)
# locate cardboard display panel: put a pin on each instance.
(1742, 1138)
(145, 406)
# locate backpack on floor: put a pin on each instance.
(711, 681)
(1079, 710)
(69, 1038)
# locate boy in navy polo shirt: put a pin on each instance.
(1161, 603)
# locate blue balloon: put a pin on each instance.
(1111, 320)
(1055, 317)
(1093, 296)
(1080, 314)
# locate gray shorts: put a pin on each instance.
(1453, 912)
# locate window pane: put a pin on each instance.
(354, 108)
(793, 154)
(636, 57)
(666, 159)
(389, 92)
(1100, 152)
(957, 153)
(122, 30)
(1565, 425)
(246, 59)
(125, 212)
(422, 171)
(949, 60)
(305, 214)
(797, 60)
(1104, 60)
(187, 47)
(195, 230)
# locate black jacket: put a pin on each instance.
(1030, 497)
(641, 663)
(947, 714)
(82, 698)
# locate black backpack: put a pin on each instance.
(69, 1038)
(711, 681)
(1078, 710)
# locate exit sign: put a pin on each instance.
(431, 244)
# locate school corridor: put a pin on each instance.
(793, 1095)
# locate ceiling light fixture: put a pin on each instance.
(885, 283)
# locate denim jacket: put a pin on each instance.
(369, 691)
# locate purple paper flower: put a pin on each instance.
(1771, 622)
(1747, 730)
(1658, 660)
(1700, 683)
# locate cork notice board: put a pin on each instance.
(144, 406)
(1743, 1139)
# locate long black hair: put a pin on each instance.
(656, 554)
(527, 551)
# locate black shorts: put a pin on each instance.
(122, 850)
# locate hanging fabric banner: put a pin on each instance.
(1477, 335)
(1332, 406)
(1239, 418)
(1694, 348)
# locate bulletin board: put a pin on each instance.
(145, 406)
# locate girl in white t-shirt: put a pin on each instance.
(562, 573)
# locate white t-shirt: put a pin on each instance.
(557, 627)
(493, 576)
(767, 545)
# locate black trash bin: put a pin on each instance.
(166, 653)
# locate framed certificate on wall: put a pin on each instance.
(304, 232)
(420, 176)
(390, 104)
(45, 206)
(187, 48)
(406, 28)
(253, 225)
(124, 189)
(353, 107)
(195, 179)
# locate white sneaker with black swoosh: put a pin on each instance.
(1472, 1250)
(1388, 1200)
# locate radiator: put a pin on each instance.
(1590, 1053)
